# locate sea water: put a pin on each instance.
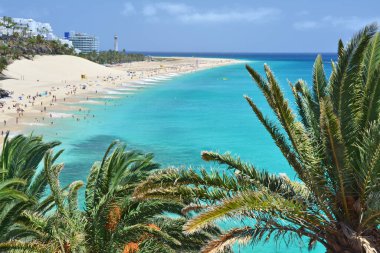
(179, 117)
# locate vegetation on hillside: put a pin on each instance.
(112, 57)
(19, 44)
(332, 143)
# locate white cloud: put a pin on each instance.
(166, 8)
(189, 14)
(175, 8)
(149, 10)
(128, 9)
(258, 15)
(350, 23)
(305, 25)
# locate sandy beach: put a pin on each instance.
(47, 86)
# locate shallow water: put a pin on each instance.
(182, 116)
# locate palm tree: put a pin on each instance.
(8, 23)
(3, 64)
(116, 221)
(333, 144)
(54, 231)
(21, 180)
(112, 221)
(8, 191)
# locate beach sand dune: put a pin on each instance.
(51, 68)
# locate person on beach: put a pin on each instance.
(5, 122)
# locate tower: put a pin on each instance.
(116, 43)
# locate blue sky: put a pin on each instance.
(205, 25)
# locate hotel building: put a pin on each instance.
(84, 42)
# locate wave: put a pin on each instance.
(113, 92)
(60, 115)
(90, 102)
(112, 97)
(127, 89)
(163, 78)
(30, 124)
(153, 80)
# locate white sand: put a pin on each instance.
(54, 68)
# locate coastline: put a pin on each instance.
(38, 99)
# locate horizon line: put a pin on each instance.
(213, 52)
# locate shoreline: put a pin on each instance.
(40, 105)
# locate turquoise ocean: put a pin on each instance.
(181, 116)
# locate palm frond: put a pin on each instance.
(236, 235)
(319, 80)
(249, 201)
(73, 195)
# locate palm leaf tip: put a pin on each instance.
(192, 207)
(206, 156)
(225, 241)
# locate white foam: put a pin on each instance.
(127, 89)
(163, 78)
(136, 86)
(34, 124)
(152, 83)
(172, 74)
(114, 92)
(151, 80)
(140, 82)
(110, 97)
(60, 115)
(90, 102)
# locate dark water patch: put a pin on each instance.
(81, 155)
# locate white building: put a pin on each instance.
(84, 42)
(30, 27)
